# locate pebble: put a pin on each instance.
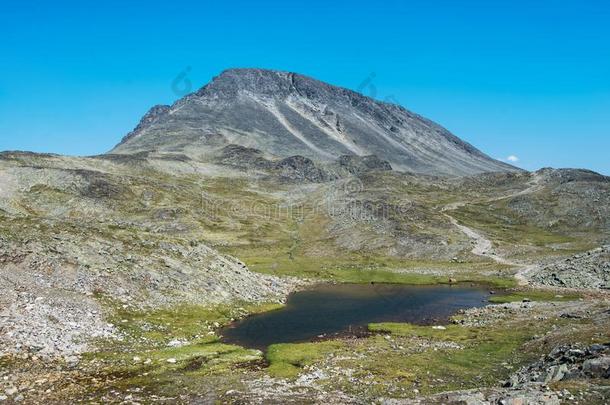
(172, 360)
(10, 391)
(176, 343)
(72, 360)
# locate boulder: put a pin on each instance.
(597, 368)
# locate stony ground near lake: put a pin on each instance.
(117, 276)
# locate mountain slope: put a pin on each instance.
(286, 114)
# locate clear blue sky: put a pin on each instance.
(523, 78)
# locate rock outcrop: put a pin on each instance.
(585, 270)
(565, 363)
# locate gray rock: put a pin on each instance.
(362, 164)
(597, 368)
(300, 168)
(242, 156)
(533, 395)
(565, 362)
(591, 270)
(287, 114)
(555, 373)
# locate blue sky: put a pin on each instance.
(523, 78)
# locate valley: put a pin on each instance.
(122, 271)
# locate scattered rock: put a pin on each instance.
(591, 270)
(176, 343)
(11, 391)
(598, 367)
(563, 363)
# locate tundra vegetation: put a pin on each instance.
(119, 271)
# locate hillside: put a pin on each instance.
(120, 271)
(285, 114)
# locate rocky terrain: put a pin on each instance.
(565, 363)
(66, 246)
(120, 270)
(587, 270)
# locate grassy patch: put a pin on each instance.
(202, 357)
(359, 269)
(6, 361)
(518, 296)
(505, 227)
(287, 359)
(486, 356)
(182, 322)
(164, 346)
(451, 332)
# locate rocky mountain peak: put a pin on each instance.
(285, 114)
(260, 81)
(271, 83)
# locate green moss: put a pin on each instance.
(451, 332)
(6, 362)
(355, 269)
(532, 295)
(486, 356)
(156, 359)
(287, 360)
(144, 358)
(155, 328)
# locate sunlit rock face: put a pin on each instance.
(285, 114)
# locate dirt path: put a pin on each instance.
(482, 246)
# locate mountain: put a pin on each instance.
(285, 114)
(120, 272)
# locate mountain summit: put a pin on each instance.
(284, 114)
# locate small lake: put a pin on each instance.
(345, 309)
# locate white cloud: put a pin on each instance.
(512, 158)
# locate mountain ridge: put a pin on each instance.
(286, 114)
